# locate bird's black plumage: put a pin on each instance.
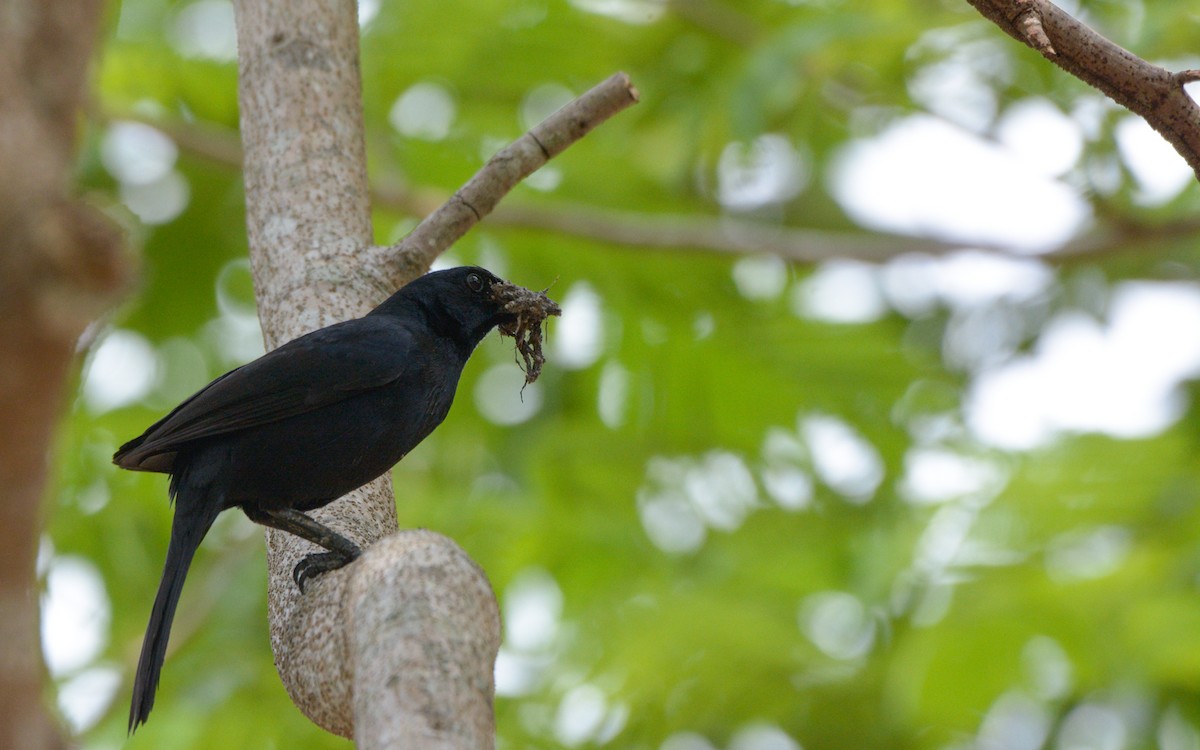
(306, 423)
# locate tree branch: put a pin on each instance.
(475, 200)
(691, 232)
(737, 236)
(688, 232)
(1145, 89)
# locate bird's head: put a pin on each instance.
(467, 302)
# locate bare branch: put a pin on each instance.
(1145, 89)
(688, 232)
(475, 200)
(721, 234)
(698, 232)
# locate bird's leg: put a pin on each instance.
(341, 550)
(305, 527)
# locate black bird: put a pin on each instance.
(310, 421)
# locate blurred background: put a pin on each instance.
(870, 421)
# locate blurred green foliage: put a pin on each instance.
(1005, 617)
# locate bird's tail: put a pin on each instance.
(192, 522)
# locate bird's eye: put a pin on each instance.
(474, 282)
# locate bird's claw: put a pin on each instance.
(317, 563)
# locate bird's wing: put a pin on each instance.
(323, 367)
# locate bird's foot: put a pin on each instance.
(317, 563)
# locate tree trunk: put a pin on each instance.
(396, 649)
(60, 266)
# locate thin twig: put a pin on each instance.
(476, 199)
